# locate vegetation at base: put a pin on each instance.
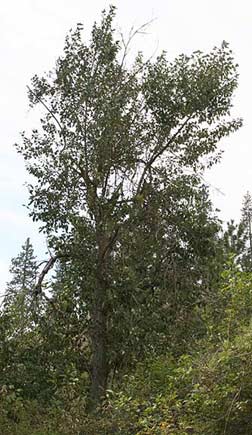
(207, 390)
(144, 327)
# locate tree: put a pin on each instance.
(20, 356)
(237, 239)
(23, 270)
(246, 222)
(234, 242)
(114, 141)
(18, 301)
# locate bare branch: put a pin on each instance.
(133, 32)
(46, 269)
(49, 265)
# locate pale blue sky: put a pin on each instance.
(32, 36)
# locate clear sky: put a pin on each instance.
(32, 36)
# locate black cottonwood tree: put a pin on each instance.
(112, 137)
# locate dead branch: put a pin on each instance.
(49, 265)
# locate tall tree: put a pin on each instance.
(114, 140)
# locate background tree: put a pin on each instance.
(234, 242)
(41, 342)
(114, 140)
(237, 238)
(20, 357)
(246, 222)
(18, 301)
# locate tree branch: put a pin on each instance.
(158, 153)
(49, 265)
(47, 108)
(51, 113)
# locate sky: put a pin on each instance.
(32, 34)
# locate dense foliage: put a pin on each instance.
(144, 325)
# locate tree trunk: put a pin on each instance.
(99, 365)
(99, 358)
